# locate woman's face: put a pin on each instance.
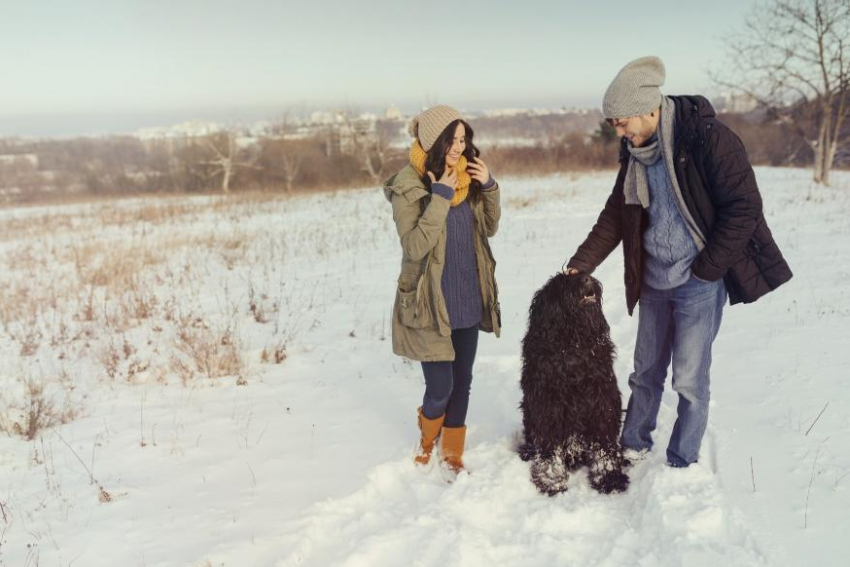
(458, 146)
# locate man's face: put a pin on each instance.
(636, 129)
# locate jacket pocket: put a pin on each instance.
(753, 247)
(413, 312)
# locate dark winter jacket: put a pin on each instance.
(720, 191)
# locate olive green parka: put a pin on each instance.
(420, 320)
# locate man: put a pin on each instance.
(689, 214)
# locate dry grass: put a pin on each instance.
(276, 354)
(116, 266)
(35, 408)
(263, 308)
(110, 359)
(206, 352)
(521, 202)
(139, 288)
(17, 303)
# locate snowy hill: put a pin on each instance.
(229, 396)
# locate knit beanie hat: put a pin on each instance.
(634, 91)
(431, 123)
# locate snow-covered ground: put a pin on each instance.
(229, 396)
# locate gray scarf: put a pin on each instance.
(636, 187)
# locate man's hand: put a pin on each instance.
(571, 271)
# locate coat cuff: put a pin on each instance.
(491, 183)
(582, 267)
(704, 270)
(443, 191)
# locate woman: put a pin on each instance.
(445, 207)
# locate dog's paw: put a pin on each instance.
(613, 481)
(549, 476)
(526, 451)
(549, 486)
(551, 491)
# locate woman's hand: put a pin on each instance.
(449, 178)
(478, 170)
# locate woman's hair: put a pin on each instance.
(436, 160)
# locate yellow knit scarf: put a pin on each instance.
(417, 160)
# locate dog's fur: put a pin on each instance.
(571, 405)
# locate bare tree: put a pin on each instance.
(227, 157)
(368, 144)
(291, 164)
(375, 153)
(798, 52)
(290, 159)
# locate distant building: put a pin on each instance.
(393, 113)
(189, 129)
(347, 137)
(735, 102)
(177, 136)
(504, 112)
(262, 128)
(518, 112)
(321, 117)
(19, 159)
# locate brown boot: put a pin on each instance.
(430, 430)
(452, 450)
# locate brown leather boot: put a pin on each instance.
(430, 430)
(452, 451)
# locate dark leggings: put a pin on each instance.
(447, 383)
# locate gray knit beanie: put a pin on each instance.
(634, 91)
(430, 124)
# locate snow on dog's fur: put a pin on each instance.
(571, 405)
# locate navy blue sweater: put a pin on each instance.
(460, 284)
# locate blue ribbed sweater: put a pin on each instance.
(460, 284)
(669, 245)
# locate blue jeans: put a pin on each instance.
(447, 384)
(678, 324)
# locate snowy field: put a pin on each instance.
(209, 382)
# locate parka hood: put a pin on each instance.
(407, 183)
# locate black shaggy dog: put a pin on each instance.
(571, 405)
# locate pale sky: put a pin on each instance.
(81, 66)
